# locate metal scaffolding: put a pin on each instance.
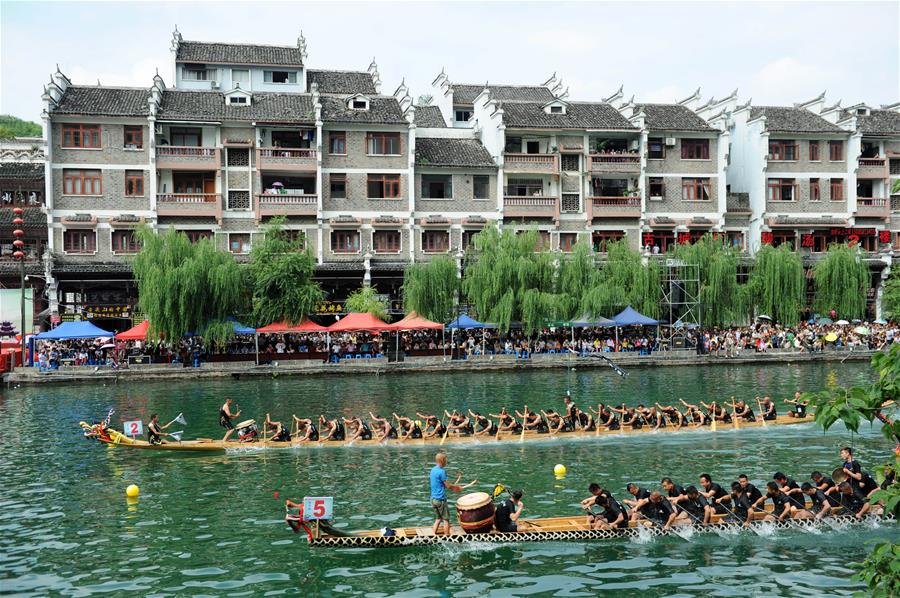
(681, 296)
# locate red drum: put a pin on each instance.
(475, 512)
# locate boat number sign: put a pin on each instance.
(318, 507)
(133, 428)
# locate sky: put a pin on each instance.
(773, 52)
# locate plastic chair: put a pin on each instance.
(367, 356)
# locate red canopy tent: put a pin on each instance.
(283, 327)
(414, 321)
(360, 322)
(138, 333)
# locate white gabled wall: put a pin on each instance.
(747, 171)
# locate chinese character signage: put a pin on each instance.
(767, 238)
(329, 307)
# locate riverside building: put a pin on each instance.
(375, 181)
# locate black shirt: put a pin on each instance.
(659, 512)
(741, 503)
(780, 501)
(717, 491)
(797, 499)
(694, 506)
(502, 519)
(752, 493)
(819, 500)
(676, 491)
(612, 510)
(853, 502)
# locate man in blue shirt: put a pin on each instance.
(439, 486)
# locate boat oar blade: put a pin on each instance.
(176, 435)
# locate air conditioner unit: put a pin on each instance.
(670, 141)
(214, 84)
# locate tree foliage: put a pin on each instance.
(510, 281)
(365, 300)
(188, 287)
(625, 278)
(890, 298)
(777, 284)
(724, 302)
(281, 273)
(576, 275)
(841, 280)
(11, 126)
(431, 289)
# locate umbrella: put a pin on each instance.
(842, 323)
(764, 318)
(857, 321)
(278, 184)
(825, 321)
(108, 346)
(831, 337)
(862, 330)
(880, 321)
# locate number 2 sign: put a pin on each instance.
(318, 507)
(134, 428)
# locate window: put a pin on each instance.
(185, 137)
(383, 144)
(337, 143)
(570, 162)
(196, 72)
(386, 241)
(814, 151)
(238, 100)
(602, 239)
(359, 105)
(240, 77)
(835, 151)
(556, 109)
(239, 242)
(567, 242)
(345, 241)
(783, 150)
(656, 148)
(658, 241)
(82, 182)
(134, 137)
(782, 190)
(815, 193)
(462, 115)
(837, 189)
(81, 136)
(481, 186)
(695, 149)
(193, 182)
(383, 186)
(784, 237)
(525, 187)
(657, 188)
(338, 185)
(134, 183)
(468, 238)
(513, 145)
(695, 189)
(284, 77)
(124, 241)
(80, 241)
(437, 186)
(435, 241)
(195, 236)
(532, 147)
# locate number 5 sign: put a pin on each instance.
(317, 507)
(134, 428)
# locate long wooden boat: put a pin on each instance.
(117, 439)
(560, 529)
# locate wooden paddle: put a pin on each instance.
(446, 432)
(524, 421)
(713, 425)
(499, 423)
(734, 414)
(762, 412)
(597, 421)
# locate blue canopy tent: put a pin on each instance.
(69, 330)
(464, 322)
(240, 328)
(631, 317)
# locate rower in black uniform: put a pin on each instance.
(800, 406)
(385, 430)
(225, 416)
(434, 427)
(506, 422)
(713, 492)
(407, 428)
(359, 429)
(571, 413)
(820, 506)
(768, 409)
(332, 428)
(483, 425)
(309, 429)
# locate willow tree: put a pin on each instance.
(625, 278)
(365, 300)
(777, 284)
(281, 274)
(575, 276)
(188, 287)
(890, 299)
(842, 279)
(431, 289)
(723, 301)
(508, 280)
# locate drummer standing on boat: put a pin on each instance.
(225, 416)
(439, 486)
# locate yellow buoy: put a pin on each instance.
(133, 491)
(560, 469)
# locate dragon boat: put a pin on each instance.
(111, 437)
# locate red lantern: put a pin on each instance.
(18, 243)
(18, 222)
(884, 236)
(19, 232)
(18, 211)
(18, 255)
(767, 238)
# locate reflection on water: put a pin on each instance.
(212, 525)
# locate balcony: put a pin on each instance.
(177, 157)
(534, 206)
(872, 168)
(189, 204)
(614, 207)
(280, 204)
(873, 207)
(543, 163)
(627, 162)
(283, 158)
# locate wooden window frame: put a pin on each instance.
(136, 178)
(695, 146)
(487, 186)
(249, 239)
(373, 138)
(778, 150)
(131, 245)
(337, 136)
(92, 134)
(333, 178)
(662, 144)
(600, 239)
(447, 181)
(815, 190)
(186, 131)
(195, 236)
(337, 235)
(651, 182)
(839, 195)
(567, 247)
(836, 144)
(76, 248)
(378, 235)
(691, 189)
(390, 186)
(82, 177)
(775, 189)
(133, 135)
(815, 151)
(435, 234)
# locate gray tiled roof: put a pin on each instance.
(433, 151)
(879, 122)
(429, 116)
(219, 53)
(579, 115)
(671, 117)
(343, 82)
(466, 93)
(264, 107)
(21, 171)
(382, 110)
(784, 119)
(104, 101)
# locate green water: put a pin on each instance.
(210, 525)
